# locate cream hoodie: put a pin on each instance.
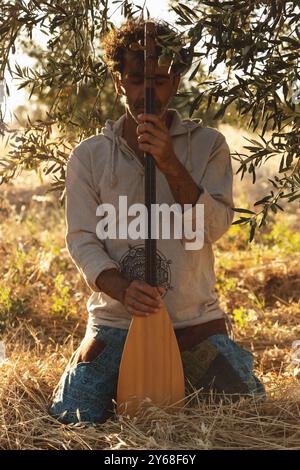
(102, 168)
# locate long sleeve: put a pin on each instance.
(85, 248)
(216, 192)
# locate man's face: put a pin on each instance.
(131, 86)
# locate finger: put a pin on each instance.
(150, 129)
(153, 118)
(161, 290)
(139, 314)
(141, 307)
(150, 139)
(147, 289)
(144, 299)
(149, 148)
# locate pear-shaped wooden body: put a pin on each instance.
(151, 365)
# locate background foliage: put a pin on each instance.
(256, 42)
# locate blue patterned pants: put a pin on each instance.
(85, 391)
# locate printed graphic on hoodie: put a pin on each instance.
(132, 266)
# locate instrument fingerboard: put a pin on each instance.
(150, 60)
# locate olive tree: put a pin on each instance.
(258, 43)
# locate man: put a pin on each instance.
(193, 167)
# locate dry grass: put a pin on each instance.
(29, 377)
(42, 320)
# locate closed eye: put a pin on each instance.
(160, 81)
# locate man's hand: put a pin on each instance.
(138, 297)
(154, 138)
(142, 299)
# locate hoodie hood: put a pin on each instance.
(113, 131)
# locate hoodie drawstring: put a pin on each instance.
(114, 131)
(189, 152)
(113, 176)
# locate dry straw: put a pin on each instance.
(34, 368)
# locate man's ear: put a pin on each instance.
(118, 84)
(176, 81)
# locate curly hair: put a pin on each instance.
(117, 41)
